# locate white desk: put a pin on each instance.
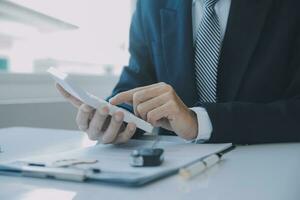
(267, 172)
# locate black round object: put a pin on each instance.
(147, 157)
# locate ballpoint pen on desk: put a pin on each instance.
(195, 168)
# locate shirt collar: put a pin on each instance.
(194, 1)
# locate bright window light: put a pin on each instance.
(98, 46)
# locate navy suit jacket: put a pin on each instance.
(259, 69)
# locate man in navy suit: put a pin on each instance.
(208, 70)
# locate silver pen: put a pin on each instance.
(193, 169)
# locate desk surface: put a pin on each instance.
(268, 172)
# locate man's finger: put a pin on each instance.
(143, 96)
(126, 134)
(84, 116)
(159, 113)
(96, 124)
(124, 97)
(73, 100)
(113, 129)
(127, 97)
(145, 107)
(152, 92)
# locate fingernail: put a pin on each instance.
(111, 100)
(104, 110)
(118, 117)
(132, 127)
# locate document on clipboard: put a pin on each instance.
(113, 163)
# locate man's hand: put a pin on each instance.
(160, 105)
(98, 124)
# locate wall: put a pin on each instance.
(59, 115)
(32, 100)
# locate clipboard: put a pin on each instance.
(113, 167)
(129, 179)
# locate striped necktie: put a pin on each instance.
(207, 51)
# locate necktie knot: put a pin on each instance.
(210, 3)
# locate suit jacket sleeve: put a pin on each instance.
(249, 123)
(140, 71)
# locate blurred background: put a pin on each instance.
(77, 36)
(86, 38)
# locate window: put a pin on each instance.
(82, 36)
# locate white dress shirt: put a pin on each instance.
(222, 9)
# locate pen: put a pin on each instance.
(198, 166)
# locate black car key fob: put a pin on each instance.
(147, 157)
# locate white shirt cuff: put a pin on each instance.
(204, 125)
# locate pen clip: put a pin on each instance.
(69, 174)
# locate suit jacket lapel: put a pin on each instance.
(245, 24)
(177, 48)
